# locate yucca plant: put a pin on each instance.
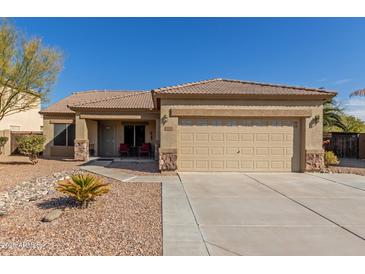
(83, 188)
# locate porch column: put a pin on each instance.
(157, 145)
(81, 139)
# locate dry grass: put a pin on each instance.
(126, 221)
(16, 169)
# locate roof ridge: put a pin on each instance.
(105, 90)
(243, 82)
(277, 85)
(107, 98)
(187, 84)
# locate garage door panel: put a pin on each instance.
(216, 137)
(278, 151)
(247, 137)
(187, 150)
(232, 137)
(217, 164)
(217, 150)
(202, 151)
(202, 164)
(247, 151)
(262, 164)
(247, 164)
(262, 151)
(187, 137)
(277, 137)
(186, 164)
(238, 145)
(231, 150)
(262, 137)
(277, 165)
(202, 137)
(232, 164)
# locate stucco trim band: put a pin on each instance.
(240, 113)
(62, 121)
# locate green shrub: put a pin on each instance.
(31, 146)
(330, 158)
(3, 141)
(83, 188)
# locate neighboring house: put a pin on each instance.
(24, 122)
(28, 120)
(213, 125)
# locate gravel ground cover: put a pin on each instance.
(32, 190)
(126, 221)
(349, 170)
(16, 169)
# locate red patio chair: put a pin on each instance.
(144, 149)
(123, 149)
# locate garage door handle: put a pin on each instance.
(238, 151)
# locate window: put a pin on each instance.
(64, 134)
(134, 135)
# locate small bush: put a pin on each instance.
(330, 158)
(31, 146)
(3, 141)
(83, 188)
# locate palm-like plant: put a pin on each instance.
(360, 92)
(332, 115)
(83, 188)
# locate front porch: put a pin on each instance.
(134, 137)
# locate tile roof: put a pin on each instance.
(235, 87)
(134, 100)
(61, 107)
(121, 99)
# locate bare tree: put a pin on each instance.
(27, 70)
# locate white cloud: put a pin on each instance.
(342, 81)
(322, 80)
(355, 106)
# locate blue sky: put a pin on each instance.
(147, 53)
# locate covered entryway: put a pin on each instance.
(239, 144)
(107, 140)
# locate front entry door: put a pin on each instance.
(107, 140)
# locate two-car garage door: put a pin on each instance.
(238, 145)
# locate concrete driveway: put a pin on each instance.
(264, 214)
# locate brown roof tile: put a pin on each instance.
(143, 99)
(235, 87)
(135, 100)
(61, 107)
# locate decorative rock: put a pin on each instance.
(81, 149)
(168, 161)
(52, 215)
(29, 191)
(314, 160)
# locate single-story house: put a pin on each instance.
(212, 125)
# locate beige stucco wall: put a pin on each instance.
(93, 134)
(88, 129)
(48, 131)
(29, 120)
(312, 132)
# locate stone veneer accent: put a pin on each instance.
(81, 150)
(168, 160)
(314, 160)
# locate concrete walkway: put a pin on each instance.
(276, 214)
(181, 234)
(258, 214)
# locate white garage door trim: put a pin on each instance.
(262, 144)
